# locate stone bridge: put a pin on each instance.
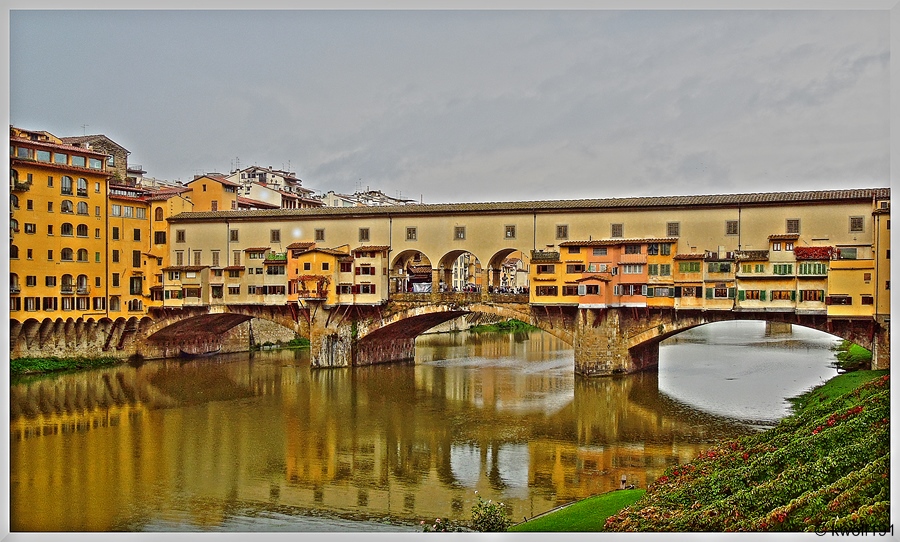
(605, 341)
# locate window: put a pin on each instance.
(29, 204)
(632, 269)
(509, 232)
(662, 269)
(673, 229)
(546, 290)
(115, 280)
(459, 232)
(115, 232)
(78, 161)
(215, 258)
(325, 266)
(179, 257)
(115, 256)
(13, 252)
(866, 299)
(234, 290)
(617, 230)
(632, 249)
(66, 206)
(67, 255)
(545, 269)
(82, 187)
(236, 257)
(320, 234)
(65, 186)
(179, 236)
(847, 253)
(570, 290)
(135, 285)
(159, 238)
(49, 181)
(410, 234)
(783, 295)
(812, 295)
(783, 268)
(575, 268)
(42, 156)
(31, 280)
(30, 228)
(562, 231)
(365, 270)
(364, 235)
(688, 267)
(307, 266)
(792, 225)
(857, 224)
(82, 255)
(718, 267)
(731, 227)
(749, 295)
(116, 210)
(233, 236)
(82, 208)
(158, 214)
(812, 268)
(599, 251)
(196, 257)
(275, 236)
(81, 230)
(346, 267)
(776, 246)
(96, 185)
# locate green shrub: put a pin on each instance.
(490, 517)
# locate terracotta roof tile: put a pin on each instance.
(726, 200)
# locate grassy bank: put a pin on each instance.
(25, 366)
(852, 357)
(503, 327)
(823, 468)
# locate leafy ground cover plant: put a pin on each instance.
(825, 468)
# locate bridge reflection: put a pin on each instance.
(113, 449)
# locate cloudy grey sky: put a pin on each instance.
(457, 106)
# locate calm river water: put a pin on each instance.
(263, 443)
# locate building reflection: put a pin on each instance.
(197, 443)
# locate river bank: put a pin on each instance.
(823, 468)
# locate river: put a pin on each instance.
(260, 442)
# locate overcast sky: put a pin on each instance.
(452, 106)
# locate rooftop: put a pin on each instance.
(635, 203)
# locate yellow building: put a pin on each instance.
(213, 193)
(314, 274)
(164, 203)
(128, 235)
(58, 259)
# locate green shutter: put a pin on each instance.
(762, 295)
(709, 293)
(731, 293)
(793, 295)
(742, 295)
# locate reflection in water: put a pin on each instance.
(246, 442)
(743, 371)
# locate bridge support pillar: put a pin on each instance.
(881, 345)
(602, 350)
(330, 347)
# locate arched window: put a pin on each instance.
(114, 303)
(14, 201)
(82, 187)
(158, 214)
(82, 230)
(67, 255)
(66, 185)
(13, 282)
(13, 176)
(82, 255)
(13, 251)
(82, 208)
(66, 229)
(13, 224)
(66, 207)
(82, 284)
(66, 281)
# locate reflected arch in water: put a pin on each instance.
(707, 367)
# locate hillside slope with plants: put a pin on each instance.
(825, 468)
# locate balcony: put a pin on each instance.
(20, 187)
(312, 294)
(84, 290)
(15, 289)
(67, 289)
(544, 256)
